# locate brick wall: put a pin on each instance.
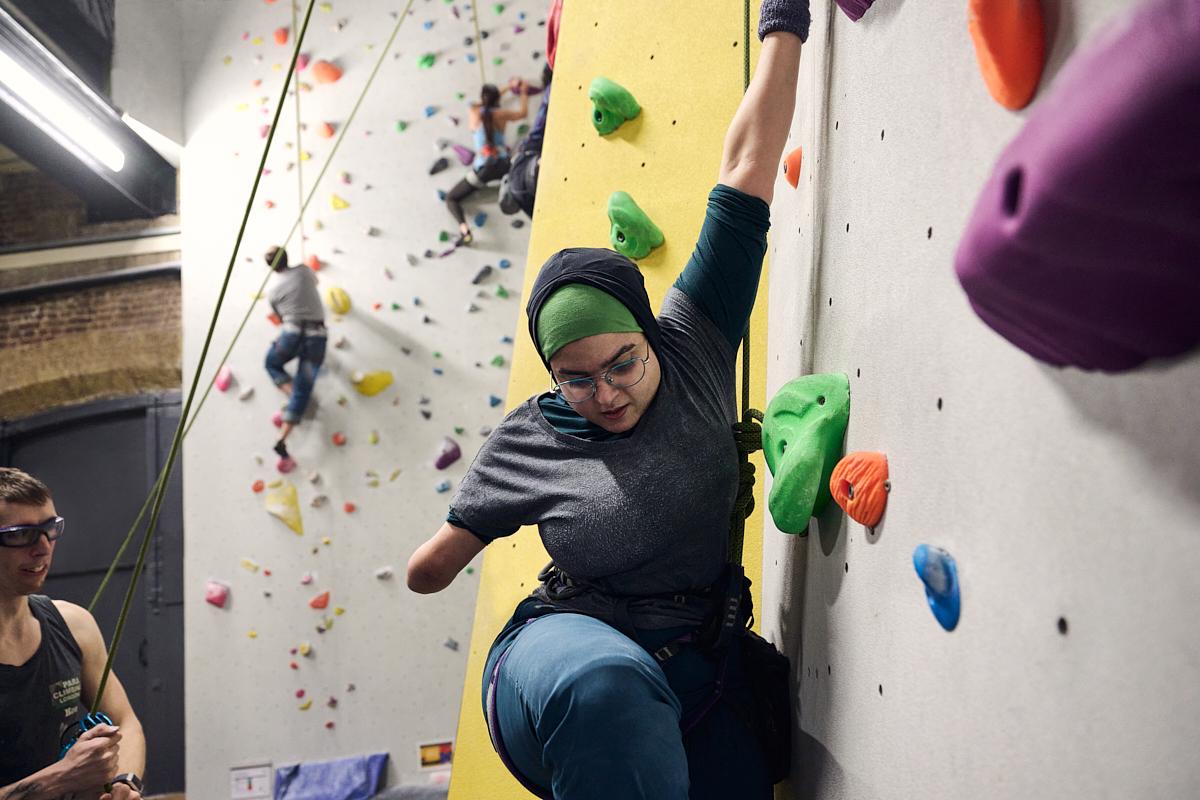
(64, 348)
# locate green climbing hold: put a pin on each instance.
(802, 433)
(612, 105)
(458, 431)
(633, 233)
(437, 354)
(522, 129)
(426, 61)
(501, 292)
(444, 236)
(460, 95)
(498, 8)
(497, 61)
(498, 361)
(401, 126)
(395, 306)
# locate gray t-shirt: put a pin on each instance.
(643, 517)
(294, 297)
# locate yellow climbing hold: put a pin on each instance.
(395, 474)
(250, 564)
(305, 156)
(338, 611)
(227, 60)
(338, 203)
(275, 484)
(306, 705)
(325, 540)
(371, 383)
(373, 438)
(304, 649)
(283, 504)
(256, 40)
(253, 634)
(326, 6)
(337, 300)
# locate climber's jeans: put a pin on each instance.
(585, 711)
(309, 348)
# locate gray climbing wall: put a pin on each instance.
(1070, 500)
(243, 693)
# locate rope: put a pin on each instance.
(161, 485)
(299, 150)
(250, 310)
(747, 434)
(478, 41)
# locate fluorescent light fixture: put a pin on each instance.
(54, 114)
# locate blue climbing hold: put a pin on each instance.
(480, 219)
(427, 24)
(470, 58)
(937, 570)
(494, 401)
(441, 195)
(438, 371)
(443, 487)
(506, 340)
(505, 263)
(430, 111)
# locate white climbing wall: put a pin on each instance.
(1069, 500)
(243, 703)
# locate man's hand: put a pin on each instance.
(92, 760)
(121, 791)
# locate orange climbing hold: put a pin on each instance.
(326, 72)
(274, 319)
(313, 263)
(791, 166)
(859, 484)
(325, 130)
(338, 438)
(257, 487)
(349, 507)
(1010, 45)
(320, 601)
(281, 35)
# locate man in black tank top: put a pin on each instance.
(51, 658)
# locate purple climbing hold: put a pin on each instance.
(465, 154)
(449, 453)
(1082, 248)
(855, 8)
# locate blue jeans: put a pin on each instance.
(310, 349)
(584, 712)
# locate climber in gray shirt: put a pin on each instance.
(295, 301)
(629, 471)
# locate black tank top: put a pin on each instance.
(40, 698)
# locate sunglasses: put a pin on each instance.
(25, 535)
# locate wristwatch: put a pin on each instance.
(130, 780)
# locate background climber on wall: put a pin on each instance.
(294, 299)
(51, 659)
(487, 121)
(612, 679)
(518, 189)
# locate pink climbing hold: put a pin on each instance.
(286, 464)
(263, 131)
(216, 593)
(465, 155)
(277, 419)
(302, 62)
(224, 379)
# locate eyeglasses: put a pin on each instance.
(25, 535)
(619, 376)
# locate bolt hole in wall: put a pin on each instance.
(939, 404)
(929, 233)
(1062, 625)
(881, 136)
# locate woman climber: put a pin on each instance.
(487, 121)
(605, 682)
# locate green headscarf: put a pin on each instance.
(576, 311)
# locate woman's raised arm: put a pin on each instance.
(755, 139)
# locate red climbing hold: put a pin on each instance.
(859, 484)
(325, 131)
(326, 72)
(349, 507)
(338, 439)
(257, 487)
(320, 601)
(274, 319)
(1010, 45)
(313, 263)
(791, 166)
(281, 35)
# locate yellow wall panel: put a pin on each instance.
(682, 60)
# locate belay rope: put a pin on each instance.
(747, 434)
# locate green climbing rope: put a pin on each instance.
(250, 310)
(748, 433)
(160, 488)
(478, 42)
(299, 148)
